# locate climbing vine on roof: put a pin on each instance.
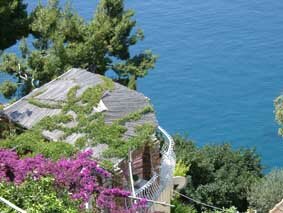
(32, 143)
(79, 110)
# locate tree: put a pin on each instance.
(267, 192)
(113, 34)
(219, 175)
(14, 22)
(62, 40)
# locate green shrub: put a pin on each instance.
(8, 88)
(219, 175)
(181, 207)
(31, 143)
(278, 105)
(267, 192)
(181, 169)
(36, 197)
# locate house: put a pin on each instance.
(92, 112)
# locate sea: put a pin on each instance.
(219, 70)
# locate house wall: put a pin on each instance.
(145, 162)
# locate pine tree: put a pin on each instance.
(14, 22)
(112, 30)
(62, 40)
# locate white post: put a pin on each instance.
(131, 174)
(8, 203)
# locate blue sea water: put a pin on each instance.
(220, 67)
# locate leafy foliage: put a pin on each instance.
(31, 143)
(229, 210)
(13, 21)
(181, 207)
(112, 28)
(37, 103)
(267, 192)
(219, 175)
(181, 169)
(278, 104)
(37, 196)
(62, 40)
(7, 128)
(8, 88)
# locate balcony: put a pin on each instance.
(153, 188)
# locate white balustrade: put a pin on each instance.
(153, 188)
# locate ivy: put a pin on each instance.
(32, 143)
(72, 95)
(40, 104)
(81, 142)
(32, 100)
(120, 148)
(135, 116)
(54, 122)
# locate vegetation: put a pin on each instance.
(92, 125)
(14, 22)
(62, 40)
(267, 192)
(31, 143)
(229, 210)
(278, 104)
(218, 174)
(37, 196)
(8, 88)
(37, 103)
(181, 169)
(181, 207)
(88, 123)
(7, 128)
(77, 178)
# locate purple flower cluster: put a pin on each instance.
(78, 175)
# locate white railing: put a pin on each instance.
(150, 190)
(153, 188)
(168, 161)
(11, 205)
